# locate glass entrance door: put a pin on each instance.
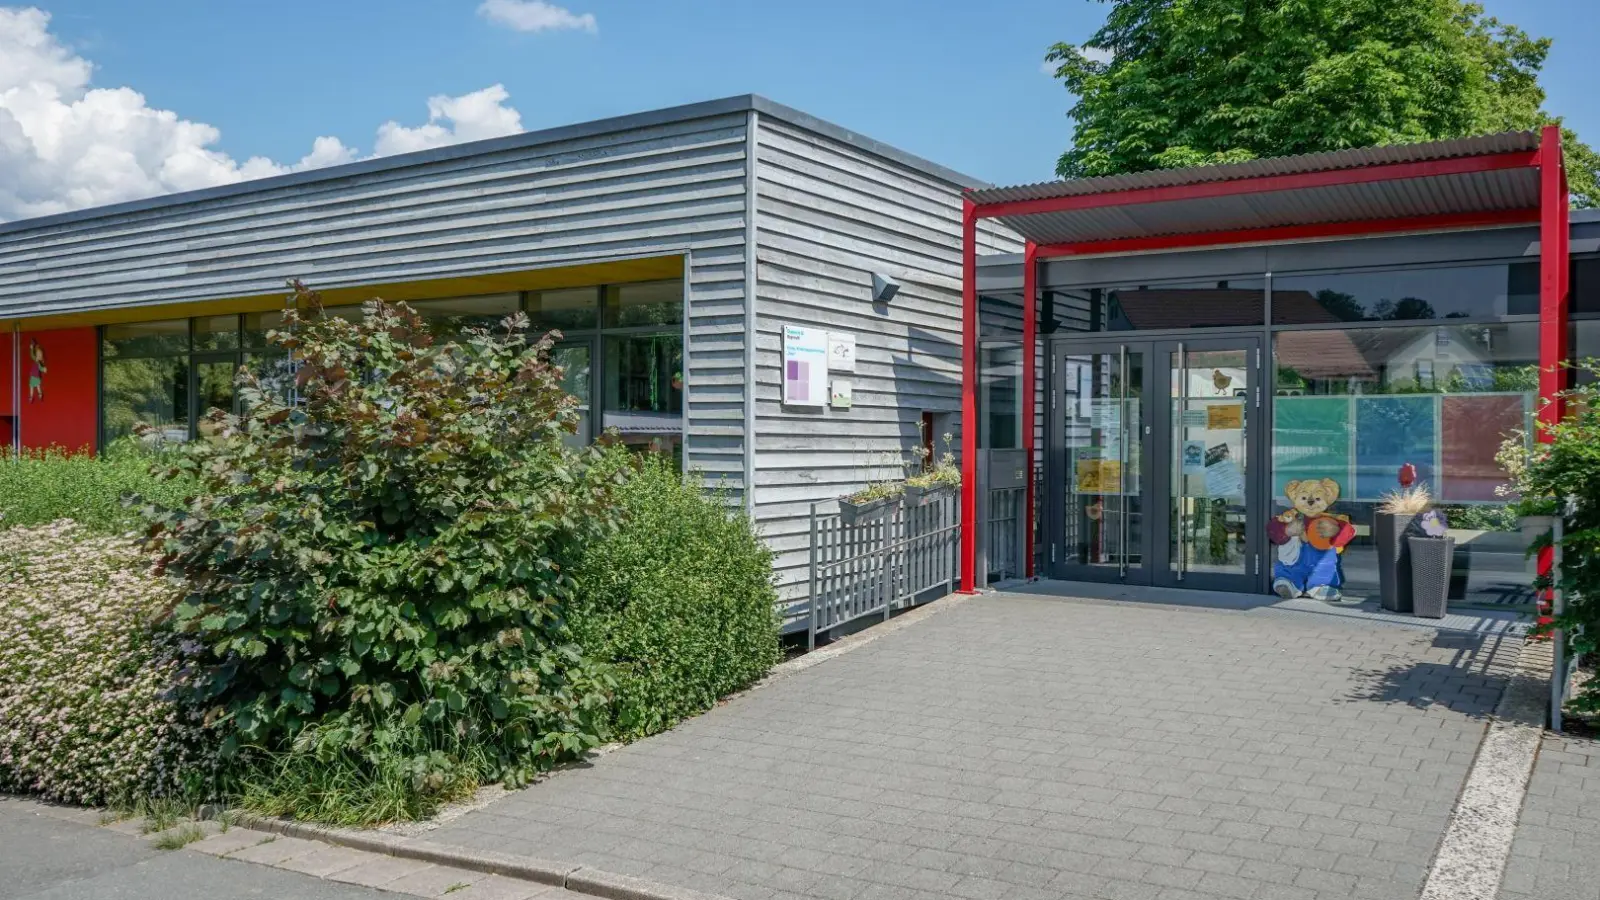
(1099, 412)
(1210, 539)
(1153, 461)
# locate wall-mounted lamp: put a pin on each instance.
(883, 288)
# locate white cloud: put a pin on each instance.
(66, 144)
(470, 117)
(536, 16)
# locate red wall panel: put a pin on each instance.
(61, 412)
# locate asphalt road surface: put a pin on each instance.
(47, 859)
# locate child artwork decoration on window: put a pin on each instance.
(36, 371)
(1310, 541)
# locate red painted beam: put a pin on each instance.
(969, 397)
(1295, 232)
(1262, 184)
(1030, 347)
(1553, 265)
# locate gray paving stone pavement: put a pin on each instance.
(48, 859)
(1024, 747)
(1556, 853)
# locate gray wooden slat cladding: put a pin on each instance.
(670, 188)
(829, 214)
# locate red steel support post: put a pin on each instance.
(969, 396)
(1553, 265)
(1030, 383)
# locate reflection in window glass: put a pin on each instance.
(447, 318)
(147, 338)
(1229, 302)
(574, 362)
(568, 310)
(651, 303)
(1356, 405)
(256, 326)
(1000, 315)
(216, 333)
(1000, 377)
(644, 373)
(152, 391)
(1406, 294)
(214, 391)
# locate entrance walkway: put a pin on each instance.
(1021, 746)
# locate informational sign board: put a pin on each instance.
(842, 397)
(841, 352)
(1225, 416)
(805, 366)
(1194, 457)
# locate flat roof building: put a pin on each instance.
(1137, 368)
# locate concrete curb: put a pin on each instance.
(571, 876)
(1477, 843)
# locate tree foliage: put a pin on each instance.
(376, 573)
(1166, 84)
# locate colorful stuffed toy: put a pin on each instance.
(1310, 541)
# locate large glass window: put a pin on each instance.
(1356, 405)
(1000, 384)
(576, 309)
(1224, 303)
(622, 358)
(448, 317)
(1457, 292)
(152, 391)
(651, 304)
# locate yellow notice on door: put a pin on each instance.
(1224, 416)
(1099, 476)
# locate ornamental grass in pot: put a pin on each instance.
(1394, 521)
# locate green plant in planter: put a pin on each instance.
(1565, 463)
(377, 575)
(942, 474)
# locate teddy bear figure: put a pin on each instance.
(1310, 541)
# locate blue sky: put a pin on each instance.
(959, 83)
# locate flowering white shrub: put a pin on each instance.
(86, 714)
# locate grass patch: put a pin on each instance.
(43, 486)
(351, 792)
(458, 886)
(161, 815)
(179, 837)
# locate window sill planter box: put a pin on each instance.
(1431, 559)
(1389, 532)
(860, 512)
(918, 496)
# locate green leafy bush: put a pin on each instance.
(375, 574)
(680, 601)
(86, 712)
(42, 486)
(1563, 470)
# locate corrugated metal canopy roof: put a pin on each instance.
(1494, 190)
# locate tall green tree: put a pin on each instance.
(1169, 83)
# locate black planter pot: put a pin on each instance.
(1389, 532)
(1431, 558)
(854, 513)
(917, 496)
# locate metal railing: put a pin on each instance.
(1003, 533)
(905, 556)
